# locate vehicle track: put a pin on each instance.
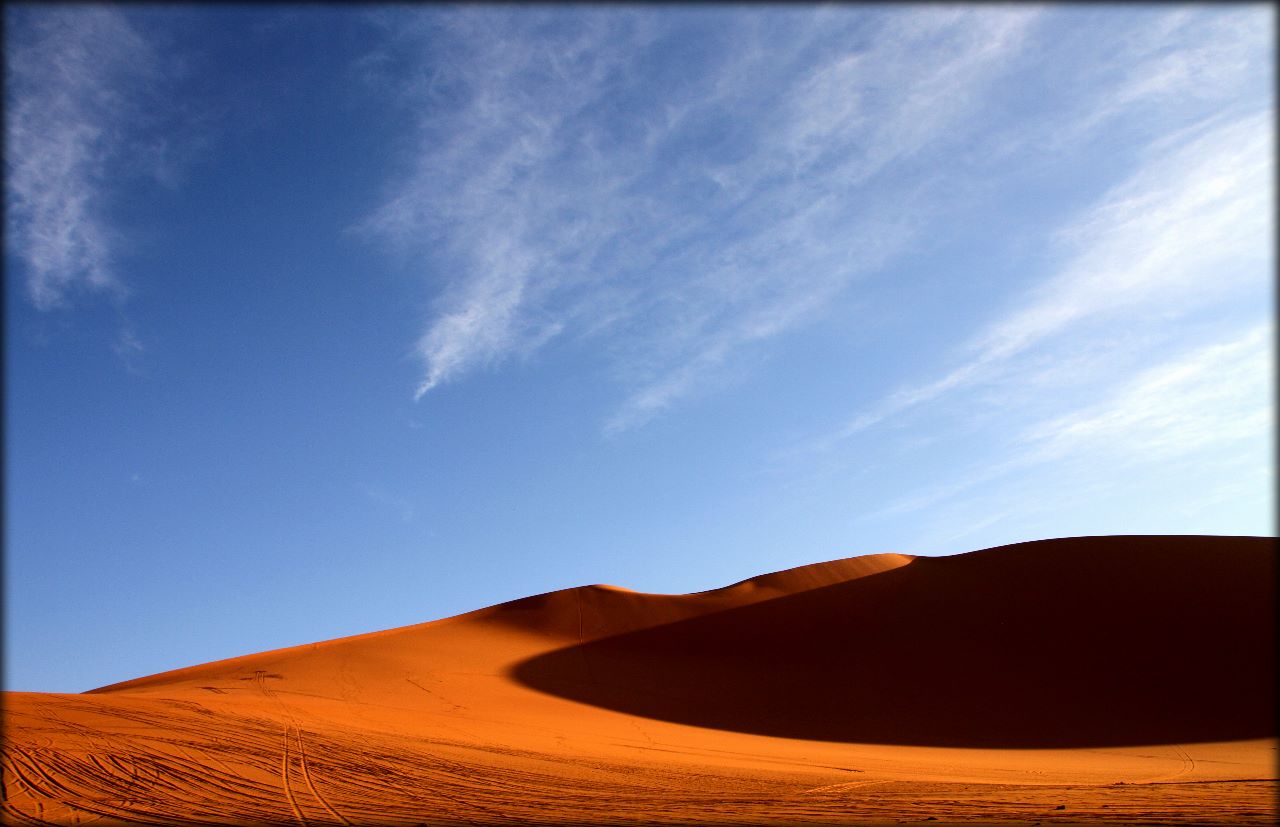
(306, 775)
(284, 781)
(1188, 763)
(177, 763)
(26, 788)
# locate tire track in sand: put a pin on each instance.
(1188, 763)
(292, 728)
(10, 811)
(259, 678)
(284, 781)
(9, 806)
(21, 757)
(306, 776)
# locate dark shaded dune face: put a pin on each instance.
(1102, 641)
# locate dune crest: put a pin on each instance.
(1055, 644)
(1120, 672)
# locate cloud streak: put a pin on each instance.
(1191, 224)
(1215, 396)
(564, 187)
(76, 78)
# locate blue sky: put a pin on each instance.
(324, 320)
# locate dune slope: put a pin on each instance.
(1055, 644)
(1114, 679)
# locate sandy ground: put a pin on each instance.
(1089, 680)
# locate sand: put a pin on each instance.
(1103, 680)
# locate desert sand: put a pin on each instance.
(1112, 680)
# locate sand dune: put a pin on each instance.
(1121, 678)
(1133, 641)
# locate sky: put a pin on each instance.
(321, 320)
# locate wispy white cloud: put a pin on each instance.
(1215, 396)
(565, 189)
(1192, 223)
(1137, 70)
(1218, 394)
(1083, 387)
(1148, 263)
(885, 103)
(76, 79)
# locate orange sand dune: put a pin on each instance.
(1105, 679)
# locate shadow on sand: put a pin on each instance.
(1082, 642)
